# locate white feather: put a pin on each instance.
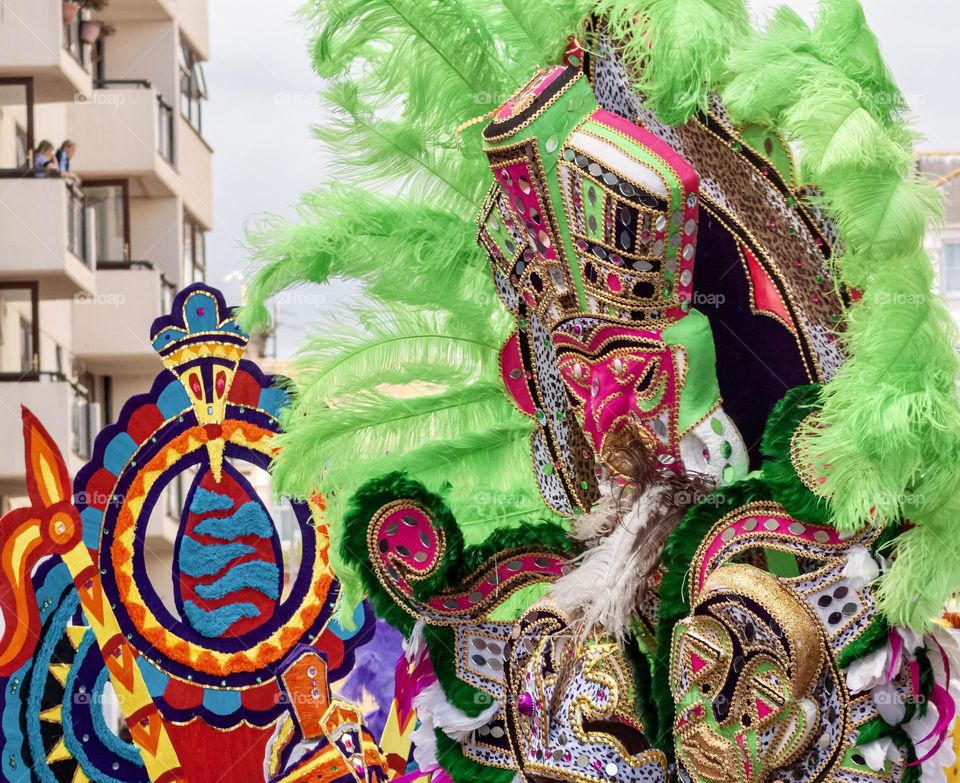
(425, 745)
(414, 646)
(861, 569)
(599, 521)
(431, 704)
(604, 590)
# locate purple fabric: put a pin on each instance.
(373, 675)
(757, 358)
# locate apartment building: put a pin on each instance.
(943, 168)
(85, 269)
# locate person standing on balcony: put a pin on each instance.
(45, 161)
(64, 156)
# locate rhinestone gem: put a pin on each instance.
(525, 704)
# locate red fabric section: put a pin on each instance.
(144, 422)
(209, 755)
(332, 647)
(765, 294)
(99, 488)
(261, 698)
(182, 695)
(244, 390)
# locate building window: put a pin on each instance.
(193, 87)
(26, 346)
(111, 218)
(194, 251)
(16, 125)
(951, 268)
(19, 321)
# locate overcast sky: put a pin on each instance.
(263, 103)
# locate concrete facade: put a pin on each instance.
(85, 270)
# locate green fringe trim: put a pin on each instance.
(370, 498)
(778, 469)
(442, 646)
(674, 591)
(873, 730)
(927, 683)
(675, 49)
(871, 640)
(641, 667)
(459, 564)
(464, 770)
(878, 728)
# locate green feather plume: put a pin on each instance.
(416, 388)
(890, 422)
(675, 49)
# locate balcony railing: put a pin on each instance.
(165, 119)
(84, 422)
(165, 114)
(84, 415)
(73, 43)
(167, 289)
(77, 224)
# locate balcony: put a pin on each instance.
(45, 236)
(196, 178)
(139, 11)
(137, 113)
(35, 42)
(111, 328)
(62, 408)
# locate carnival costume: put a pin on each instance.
(645, 433)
